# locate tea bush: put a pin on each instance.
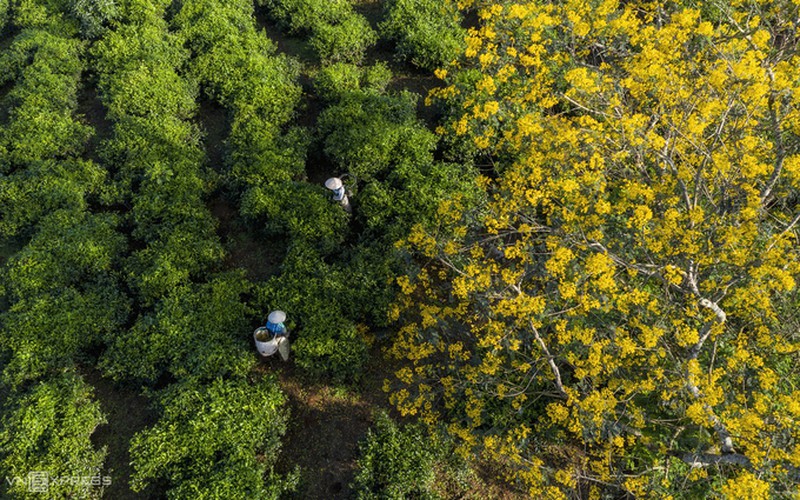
(336, 32)
(365, 133)
(213, 441)
(199, 331)
(47, 429)
(62, 292)
(336, 80)
(347, 41)
(325, 341)
(395, 462)
(428, 33)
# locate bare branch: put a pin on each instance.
(550, 361)
(722, 431)
(706, 459)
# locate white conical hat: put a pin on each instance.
(276, 317)
(333, 183)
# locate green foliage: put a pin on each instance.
(325, 342)
(137, 65)
(395, 462)
(245, 74)
(208, 23)
(428, 33)
(141, 12)
(26, 196)
(47, 428)
(305, 15)
(371, 268)
(197, 331)
(411, 194)
(41, 124)
(156, 148)
(52, 15)
(337, 32)
(338, 79)
(366, 133)
(62, 292)
(3, 13)
(213, 441)
(300, 210)
(133, 45)
(94, 15)
(238, 67)
(346, 41)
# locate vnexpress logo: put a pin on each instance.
(41, 481)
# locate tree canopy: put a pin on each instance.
(620, 315)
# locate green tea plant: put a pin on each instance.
(63, 294)
(395, 462)
(46, 430)
(336, 32)
(214, 441)
(427, 33)
(197, 331)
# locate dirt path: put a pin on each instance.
(127, 412)
(325, 427)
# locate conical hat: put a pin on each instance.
(276, 317)
(333, 183)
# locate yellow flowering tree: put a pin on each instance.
(620, 317)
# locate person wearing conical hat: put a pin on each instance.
(275, 323)
(336, 185)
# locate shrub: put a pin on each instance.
(48, 429)
(325, 342)
(209, 23)
(304, 15)
(394, 462)
(345, 41)
(198, 331)
(94, 15)
(300, 210)
(30, 194)
(42, 103)
(337, 80)
(337, 32)
(213, 441)
(238, 67)
(62, 292)
(411, 194)
(3, 13)
(330, 347)
(366, 133)
(428, 33)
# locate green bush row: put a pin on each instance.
(210, 442)
(45, 430)
(399, 461)
(64, 294)
(60, 288)
(218, 435)
(326, 343)
(156, 155)
(58, 292)
(238, 68)
(375, 136)
(42, 141)
(427, 33)
(335, 31)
